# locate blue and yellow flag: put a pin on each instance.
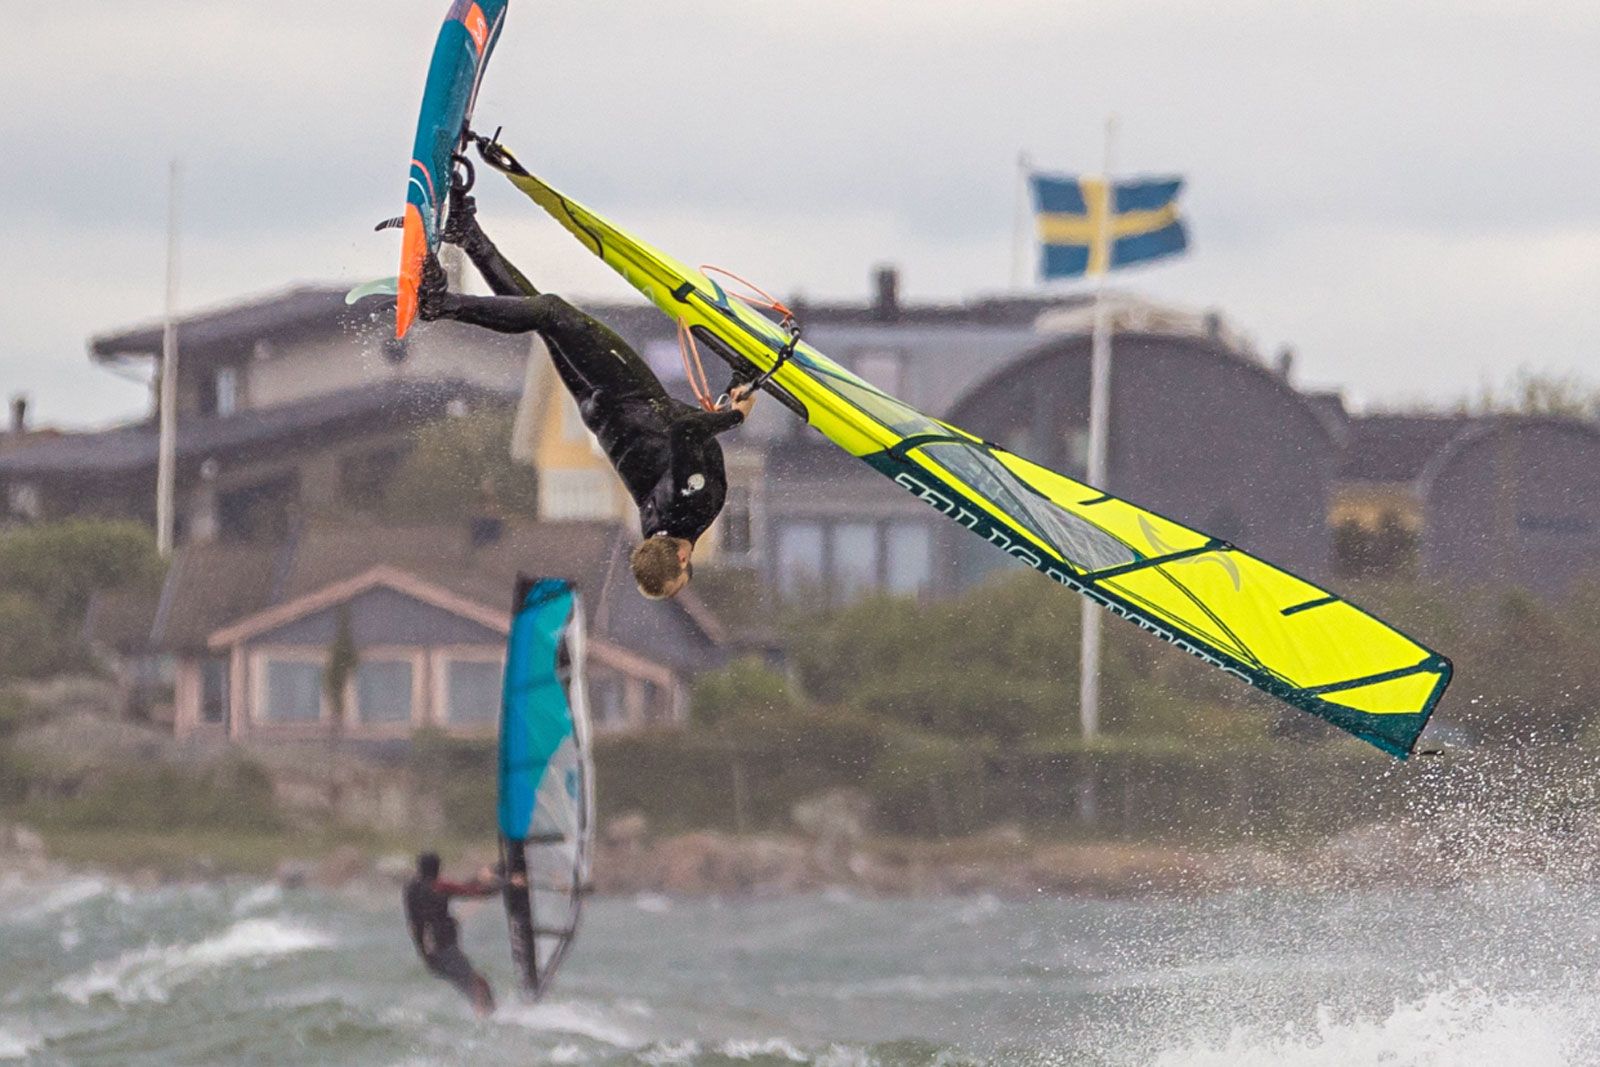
(1144, 223)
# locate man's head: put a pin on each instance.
(661, 566)
(428, 866)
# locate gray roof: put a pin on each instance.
(301, 311)
(134, 447)
(1396, 448)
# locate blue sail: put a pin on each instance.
(546, 809)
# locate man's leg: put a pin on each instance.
(588, 354)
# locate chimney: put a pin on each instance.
(19, 414)
(886, 305)
(1285, 362)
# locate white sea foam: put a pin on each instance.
(1461, 1026)
(653, 903)
(15, 1044)
(570, 1017)
(258, 898)
(152, 973)
(63, 897)
(771, 1046)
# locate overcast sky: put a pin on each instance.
(1405, 192)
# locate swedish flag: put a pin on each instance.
(1073, 215)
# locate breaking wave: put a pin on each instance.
(152, 973)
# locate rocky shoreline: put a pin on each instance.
(628, 860)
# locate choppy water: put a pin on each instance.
(1499, 973)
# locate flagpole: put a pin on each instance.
(1099, 440)
(1019, 226)
(166, 455)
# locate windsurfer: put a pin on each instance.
(664, 450)
(434, 930)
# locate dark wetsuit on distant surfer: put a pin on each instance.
(664, 450)
(434, 930)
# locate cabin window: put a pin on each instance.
(214, 691)
(472, 691)
(910, 558)
(294, 691)
(383, 691)
(799, 557)
(227, 387)
(855, 558)
(610, 704)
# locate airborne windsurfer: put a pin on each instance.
(664, 450)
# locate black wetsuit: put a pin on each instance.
(434, 932)
(664, 450)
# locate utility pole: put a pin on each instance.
(1090, 613)
(167, 402)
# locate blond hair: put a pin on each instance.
(656, 565)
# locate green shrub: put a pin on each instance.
(233, 795)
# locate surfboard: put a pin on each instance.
(460, 56)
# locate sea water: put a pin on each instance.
(1498, 972)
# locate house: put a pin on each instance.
(290, 404)
(1488, 498)
(247, 630)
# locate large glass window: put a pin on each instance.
(472, 691)
(910, 562)
(227, 391)
(383, 691)
(799, 557)
(610, 705)
(294, 691)
(855, 558)
(214, 691)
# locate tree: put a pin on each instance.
(459, 466)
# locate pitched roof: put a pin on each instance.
(284, 315)
(214, 586)
(134, 447)
(1396, 448)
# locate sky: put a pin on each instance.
(1404, 193)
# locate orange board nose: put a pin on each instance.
(413, 250)
(477, 26)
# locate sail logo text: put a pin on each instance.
(986, 528)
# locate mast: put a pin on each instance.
(1090, 614)
(1021, 246)
(167, 404)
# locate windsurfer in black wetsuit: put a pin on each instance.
(664, 449)
(434, 930)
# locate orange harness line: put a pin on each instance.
(693, 367)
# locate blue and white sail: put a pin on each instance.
(546, 777)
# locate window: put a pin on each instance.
(855, 558)
(383, 691)
(294, 691)
(799, 558)
(910, 559)
(736, 540)
(882, 368)
(227, 390)
(610, 705)
(214, 691)
(472, 692)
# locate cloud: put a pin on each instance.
(1381, 185)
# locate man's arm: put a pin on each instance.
(467, 889)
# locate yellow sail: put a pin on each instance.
(1269, 628)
